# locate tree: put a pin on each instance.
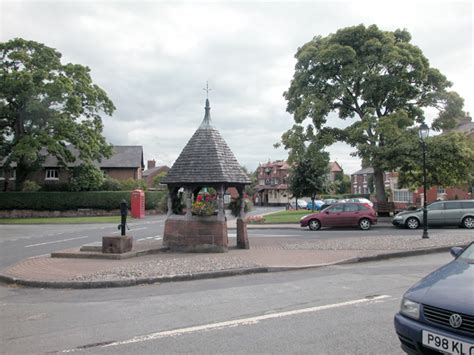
(45, 104)
(86, 178)
(157, 179)
(449, 160)
(309, 174)
(374, 79)
(342, 184)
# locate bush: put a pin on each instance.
(235, 205)
(62, 201)
(86, 178)
(111, 184)
(132, 184)
(30, 186)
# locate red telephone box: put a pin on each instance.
(138, 204)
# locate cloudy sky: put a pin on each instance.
(153, 58)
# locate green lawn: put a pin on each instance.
(285, 216)
(61, 220)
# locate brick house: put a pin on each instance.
(402, 198)
(272, 182)
(125, 163)
(152, 170)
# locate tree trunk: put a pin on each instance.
(379, 185)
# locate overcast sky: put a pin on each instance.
(154, 58)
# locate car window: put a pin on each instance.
(469, 204)
(336, 208)
(453, 205)
(436, 206)
(350, 207)
(363, 208)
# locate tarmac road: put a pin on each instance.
(18, 242)
(345, 309)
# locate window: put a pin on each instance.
(402, 195)
(52, 174)
(365, 177)
(437, 206)
(350, 207)
(336, 208)
(2, 174)
(441, 190)
(453, 205)
(468, 204)
(13, 175)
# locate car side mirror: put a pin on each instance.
(455, 251)
(327, 212)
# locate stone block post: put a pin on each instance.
(242, 235)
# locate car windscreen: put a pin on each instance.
(468, 254)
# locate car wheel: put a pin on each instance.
(364, 224)
(468, 222)
(314, 225)
(412, 223)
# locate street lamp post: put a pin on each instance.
(423, 133)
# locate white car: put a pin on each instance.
(301, 204)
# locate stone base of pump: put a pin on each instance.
(195, 234)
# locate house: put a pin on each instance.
(272, 183)
(125, 163)
(402, 198)
(152, 170)
(272, 179)
(335, 171)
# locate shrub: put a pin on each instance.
(235, 205)
(86, 178)
(153, 200)
(111, 184)
(132, 184)
(30, 186)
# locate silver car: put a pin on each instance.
(440, 213)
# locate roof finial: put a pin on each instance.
(206, 123)
(206, 89)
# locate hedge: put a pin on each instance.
(63, 201)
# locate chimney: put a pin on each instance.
(150, 164)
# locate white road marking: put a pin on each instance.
(239, 322)
(38, 256)
(55, 241)
(130, 230)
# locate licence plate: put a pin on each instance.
(447, 345)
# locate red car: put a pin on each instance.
(349, 214)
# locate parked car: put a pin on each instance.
(437, 313)
(301, 204)
(360, 200)
(317, 205)
(348, 214)
(440, 213)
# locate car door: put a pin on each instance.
(351, 214)
(332, 216)
(436, 214)
(453, 213)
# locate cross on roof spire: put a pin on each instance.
(206, 89)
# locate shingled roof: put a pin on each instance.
(206, 159)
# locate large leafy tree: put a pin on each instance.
(45, 104)
(374, 80)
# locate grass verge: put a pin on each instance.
(285, 216)
(61, 220)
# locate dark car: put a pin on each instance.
(437, 314)
(440, 213)
(348, 214)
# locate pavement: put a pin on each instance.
(150, 263)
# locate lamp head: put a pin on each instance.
(423, 131)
